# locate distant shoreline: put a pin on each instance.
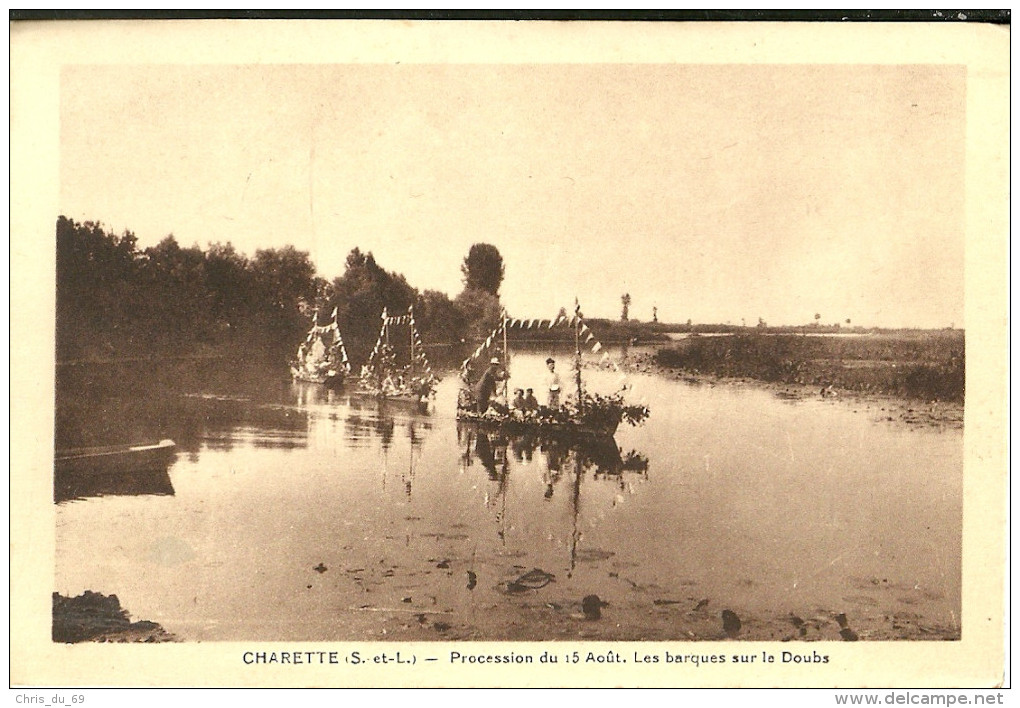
(918, 382)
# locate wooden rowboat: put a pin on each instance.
(115, 459)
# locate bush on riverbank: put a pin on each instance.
(926, 365)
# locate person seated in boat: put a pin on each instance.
(518, 402)
(486, 386)
(530, 402)
(553, 384)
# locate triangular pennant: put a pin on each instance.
(589, 337)
(596, 346)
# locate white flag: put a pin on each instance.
(597, 346)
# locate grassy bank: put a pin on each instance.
(923, 365)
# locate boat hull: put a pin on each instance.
(407, 399)
(332, 380)
(511, 424)
(101, 461)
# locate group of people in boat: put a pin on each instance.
(523, 399)
(317, 358)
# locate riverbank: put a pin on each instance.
(608, 599)
(93, 617)
(881, 407)
(914, 377)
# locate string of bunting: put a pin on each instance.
(484, 346)
(379, 341)
(419, 354)
(407, 319)
(333, 327)
(588, 336)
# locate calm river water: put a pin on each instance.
(297, 513)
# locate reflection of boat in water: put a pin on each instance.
(494, 450)
(154, 482)
(584, 414)
(322, 357)
(384, 379)
(114, 470)
(560, 462)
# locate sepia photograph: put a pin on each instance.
(591, 357)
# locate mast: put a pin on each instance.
(577, 353)
(384, 335)
(506, 362)
(410, 329)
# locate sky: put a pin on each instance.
(716, 193)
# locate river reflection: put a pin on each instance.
(561, 463)
(136, 482)
(300, 513)
(494, 451)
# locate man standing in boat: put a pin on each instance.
(553, 385)
(486, 386)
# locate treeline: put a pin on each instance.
(115, 300)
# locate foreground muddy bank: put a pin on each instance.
(93, 617)
(535, 605)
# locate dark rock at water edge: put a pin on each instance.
(592, 606)
(96, 617)
(731, 623)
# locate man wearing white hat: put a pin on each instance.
(486, 385)
(552, 380)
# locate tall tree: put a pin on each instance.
(360, 295)
(480, 311)
(625, 299)
(439, 319)
(483, 269)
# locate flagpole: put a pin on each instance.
(506, 362)
(410, 329)
(577, 352)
